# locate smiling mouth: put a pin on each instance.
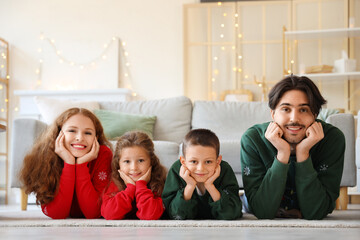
(78, 146)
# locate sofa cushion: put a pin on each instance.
(230, 151)
(229, 120)
(115, 123)
(173, 115)
(167, 152)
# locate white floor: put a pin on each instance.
(158, 233)
(178, 233)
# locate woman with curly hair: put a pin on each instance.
(69, 166)
(137, 182)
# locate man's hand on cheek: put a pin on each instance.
(314, 134)
(274, 135)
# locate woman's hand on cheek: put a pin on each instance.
(92, 155)
(61, 150)
(147, 176)
(126, 178)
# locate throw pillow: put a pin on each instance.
(116, 124)
(50, 108)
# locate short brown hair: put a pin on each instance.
(202, 137)
(301, 83)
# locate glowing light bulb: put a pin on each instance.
(236, 25)
(39, 50)
(126, 75)
(221, 35)
(58, 52)
(215, 58)
(239, 35)
(234, 69)
(213, 79)
(16, 109)
(246, 76)
(222, 25)
(104, 57)
(236, 15)
(239, 70)
(127, 64)
(1, 87)
(239, 57)
(134, 94)
(37, 71)
(225, 14)
(105, 45)
(123, 43)
(219, 3)
(292, 61)
(126, 53)
(223, 48)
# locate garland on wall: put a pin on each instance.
(124, 76)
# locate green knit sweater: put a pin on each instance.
(202, 207)
(314, 183)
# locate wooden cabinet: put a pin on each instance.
(4, 116)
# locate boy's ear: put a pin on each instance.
(182, 160)
(219, 159)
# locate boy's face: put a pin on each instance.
(293, 115)
(200, 161)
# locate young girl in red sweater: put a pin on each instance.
(137, 182)
(69, 166)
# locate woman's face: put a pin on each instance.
(80, 134)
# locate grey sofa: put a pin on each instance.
(176, 116)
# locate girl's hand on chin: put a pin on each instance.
(61, 150)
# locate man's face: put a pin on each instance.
(201, 162)
(293, 115)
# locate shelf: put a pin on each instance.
(331, 75)
(323, 33)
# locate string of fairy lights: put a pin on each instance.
(125, 78)
(239, 58)
(3, 74)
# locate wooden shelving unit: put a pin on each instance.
(4, 116)
(291, 40)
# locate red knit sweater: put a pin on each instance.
(80, 189)
(135, 201)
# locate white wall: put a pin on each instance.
(151, 29)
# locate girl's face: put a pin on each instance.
(134, 162)
(80, 134)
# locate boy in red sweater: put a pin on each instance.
(138, 180)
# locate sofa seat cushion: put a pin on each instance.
(173, 115)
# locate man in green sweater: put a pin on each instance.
(292, 166)
(200, 185)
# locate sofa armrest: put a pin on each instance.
(346, 123)
(24, 134)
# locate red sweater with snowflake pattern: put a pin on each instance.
(80, 189)
(135, 201)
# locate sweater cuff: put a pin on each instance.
(130, 189)
(141, 184)
(279, 169)
(82, 170)
(68, 170)
(305, 168)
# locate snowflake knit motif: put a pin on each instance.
(102, 175)
(246, 171)
(323, 167)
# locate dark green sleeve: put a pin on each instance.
(229, 206)
(318, 178)
(173, 196)
(264, 177)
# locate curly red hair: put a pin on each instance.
(42, 167)
(140, 139)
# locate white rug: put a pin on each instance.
(35, 218)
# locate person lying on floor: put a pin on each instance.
(200, 185)
(69, 166)
(292, 166)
